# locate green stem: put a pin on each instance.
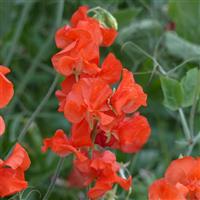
(20, 26)
(53, 181)
(195, 141)
(194, 105)
(35, 113)
(185, 125)
(38, 109)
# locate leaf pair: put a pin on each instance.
(181, 93)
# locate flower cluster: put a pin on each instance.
(12, 169)
(101, 115)
(181, 181)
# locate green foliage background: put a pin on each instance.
(143, 45)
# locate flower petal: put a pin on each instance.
(2, 126)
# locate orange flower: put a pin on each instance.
(163, 190)
(107, 36)
(76, 59)
(12, 172)
(183, 175)
(95, 110)
(128, 134)
(88, 100)
(101, 168)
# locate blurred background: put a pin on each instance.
(150, 32)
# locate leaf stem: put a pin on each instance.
(53, 181)
(38, 109)
(185, 125)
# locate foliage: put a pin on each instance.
(165, 62)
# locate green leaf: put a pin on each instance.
(126, 16)
(190, 85)
(173, 93)
(186, 16)
(180, 47)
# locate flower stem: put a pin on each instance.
(53, 181)
(38, 109)
(34, 115)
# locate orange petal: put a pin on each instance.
(111, 69)
(61, 145)
(12, 181)
(109, 36)
(81, 134)
(4, 70)
(6, 91)
(18, 158)
(179, 170)
(80, 14)
(133, 134)
(75, 109)
(129, 96)
(163, 190)
(99, 190)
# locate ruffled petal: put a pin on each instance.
(18, 158)
(163, 190)
(111, 69)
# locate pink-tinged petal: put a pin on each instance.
(179, 170)
(76, 179)
(2, 126)
(4, 70)
(111, 69)
(163, 190)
